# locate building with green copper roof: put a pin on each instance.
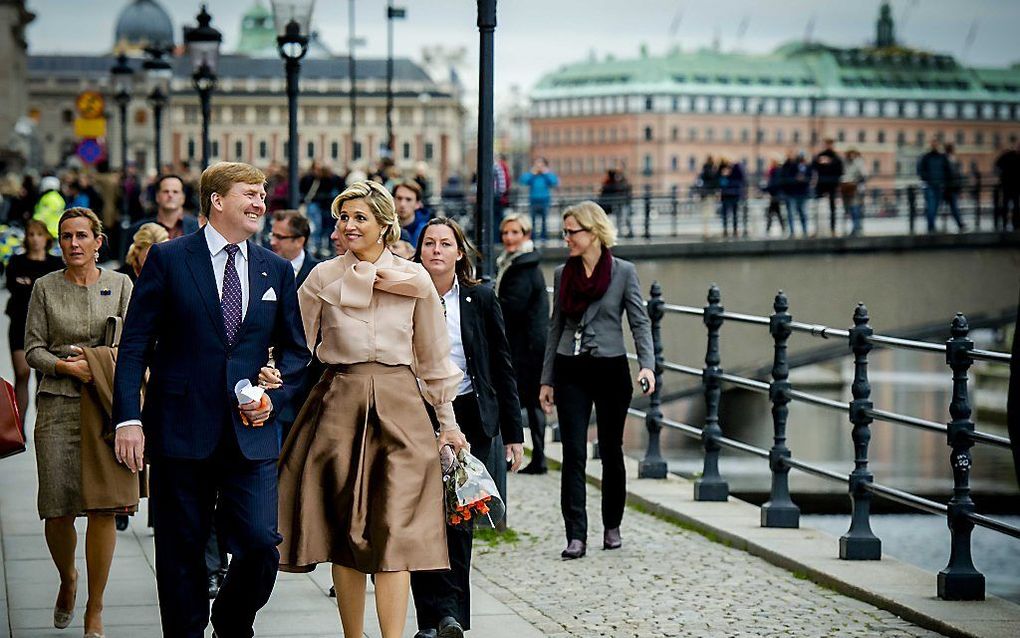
(886, 98)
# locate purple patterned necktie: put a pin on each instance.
(230, 302)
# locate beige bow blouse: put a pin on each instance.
(386, 312)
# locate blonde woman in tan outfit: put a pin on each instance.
(360, 480)
(68, 311)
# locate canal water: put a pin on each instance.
(912, 383)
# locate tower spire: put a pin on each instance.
(886, 30)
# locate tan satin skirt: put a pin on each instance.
(360, 480)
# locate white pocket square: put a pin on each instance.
(270, 295)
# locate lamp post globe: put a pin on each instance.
(203, 47)
(293, 20)
(158, 74)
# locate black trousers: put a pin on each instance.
(828, 190)
(448, 593)
(583, 382)
(536, 423)
(185, 493)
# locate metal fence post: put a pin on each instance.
(780, 511)
(711, 486)
(912, 205)
(674, 212)
(860, 543)
(653, 466)
(960, 580)
(648, 215)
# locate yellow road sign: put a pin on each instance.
(89, 127)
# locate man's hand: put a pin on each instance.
(129, 447)
(546, 398)
(454, 438)
(257, 412)
(514, 452)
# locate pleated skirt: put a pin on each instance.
(360, 480)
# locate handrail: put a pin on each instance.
(956, 581)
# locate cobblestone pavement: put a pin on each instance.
(665, 581)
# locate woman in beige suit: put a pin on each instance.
(360, 481)
(68, 311)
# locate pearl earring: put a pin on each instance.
(379, 241)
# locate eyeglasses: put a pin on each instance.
(570, 232)
(279, 237)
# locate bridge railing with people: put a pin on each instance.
(960, 580)
(692, 211)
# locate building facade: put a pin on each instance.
(14, 17)
(658, 118)
(249, 107)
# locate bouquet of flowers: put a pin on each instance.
(469, 491)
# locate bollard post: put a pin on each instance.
(860, 543)
(780, 511)
(653, 466)
(674, 212)
(960, 580)
(648, 215)
(746, 203)
(711, 486)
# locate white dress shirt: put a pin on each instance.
(297, 262)
(217, 243)
(451, 305)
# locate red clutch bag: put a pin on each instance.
(12, 431)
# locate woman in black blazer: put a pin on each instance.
(486, 405)
(520, 288)
(586, 363)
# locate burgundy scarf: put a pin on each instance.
(577, 290)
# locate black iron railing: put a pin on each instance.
(960, 580)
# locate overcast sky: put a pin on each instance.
(537, 36)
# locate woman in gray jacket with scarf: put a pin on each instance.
(586, 365)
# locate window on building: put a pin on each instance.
(646, 165)
(356, 151)
(919, 139)
(262, 115)
(191, 147)
(648, 133)
(979, 138)
(334, 150)
(674, 134)
(692, 164)
(190, 114)
(238, 151)
(612, 135)
(141, 116)
(796, 136)
(959, 137)
(649, 103)
(759, 136)
(880, 137)
(263, 150)
(862, 136)
(407, 150)
(674, 163)
(876, 167)
(214, 148)
(429, 151)
(334, 114)
(709, 134)
(901, 138)
(840, 135)
(745, 135)
(692, 135)
(727, 134)
(779, 136)
(238, 114)
(996, 140)
(67, 116)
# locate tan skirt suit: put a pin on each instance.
(360, 480)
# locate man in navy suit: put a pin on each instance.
(205, 311)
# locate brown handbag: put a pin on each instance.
(12, 430)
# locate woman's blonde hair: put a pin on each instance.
(145, 236)
(379, 201)
(523, 220)
(592, 218)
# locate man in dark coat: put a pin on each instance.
(933, 169)
(828, 167)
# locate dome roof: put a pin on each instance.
(143, 23)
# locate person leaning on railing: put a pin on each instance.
(586, 363)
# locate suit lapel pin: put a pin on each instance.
(264, 275)
(467, 299)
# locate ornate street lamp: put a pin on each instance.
(485, 220)
(203, 46)
(392, 13)
(293, 21)
(123, 77)
(158, 74)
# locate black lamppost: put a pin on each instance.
(158, 73)
(484, 220)
(123, 76)
(203, 45)
(392, 13)
(293, 18)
